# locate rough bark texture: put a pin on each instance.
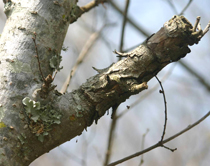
(25, 134)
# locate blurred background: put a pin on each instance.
(187, 87)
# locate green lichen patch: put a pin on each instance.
(2, 125)
(41, 117)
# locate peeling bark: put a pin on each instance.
(20, 77)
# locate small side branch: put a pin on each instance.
(37, 56)
(80, 58)
(86, 8)
(165, 104)
(47, 82)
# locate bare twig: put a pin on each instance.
(160, 144)
(91, 5)
(165, 104)
(165, 122)
(86, 8)
(37, 56)
(47, 82)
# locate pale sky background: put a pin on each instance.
(187, 99)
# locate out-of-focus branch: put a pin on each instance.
(174, 8)
(110, 139)
(159, 144)
(185, 8)
(78, 11)
(123, 26)
(114, 117)
(171, 4)
(90, 42)
(142, 147)
(196, 74)
(132, 22)
(80, 59)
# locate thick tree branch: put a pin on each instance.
(142, 31)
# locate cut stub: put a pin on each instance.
(173, 39)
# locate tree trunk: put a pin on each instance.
(34, 118)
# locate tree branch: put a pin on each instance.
(59, 118)
(79, 11)
(141, 30)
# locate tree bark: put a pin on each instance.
(30, 124)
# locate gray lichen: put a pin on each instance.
(55, 61)
(41, 118)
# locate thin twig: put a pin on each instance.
(86, 8)
(165, 104)
(160, 144)
(37, 56)
(91, 5)
(185, 8)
